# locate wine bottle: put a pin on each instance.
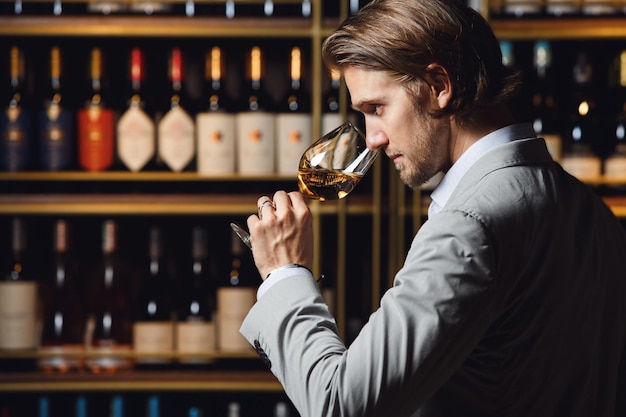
(15, 121)
(331, 114)
(80, 406)
(615, 163)
(600, 7)
(150, 7)
(293, 122)
(235, 298)
(560, 8)
(153, 329)
(135, 129)
(153, 406)
(229, 9)
(95, 123)
(281, 409)
(176, 131)
(216, 125)
(44, 406)
(255, 123)
(293, 9)
(234, 409)
(195, 330)
(106, 7)
(522, 8)
(194, 412)
(582, 124)
(110, 337)
(62, 341)
(544, 109)
(18, 295)
(56, 135)
(116, 406)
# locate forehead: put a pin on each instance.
(367, 85)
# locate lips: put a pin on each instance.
(394, 157)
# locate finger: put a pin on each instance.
(263, 202)
(281, 200)
(297, 200)
(266, 203)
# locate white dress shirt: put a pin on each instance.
(483, 146)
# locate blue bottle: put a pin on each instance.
(15, 120)
(56, 123)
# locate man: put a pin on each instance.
(512, 299)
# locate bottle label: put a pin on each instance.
(55, 138)
(18, 322)
(135, 139)
(521, 7)
(60, 358)
(582, 167)
(255, 143)
(14, 139)
(561, 7)
(294, 137)
(554, 143)
(195, 337)
(153, 337)
(600, 7)
(615, 167)
(176, 139)
(216, 143)
(233, 304)
(330, 121)
(95, 138)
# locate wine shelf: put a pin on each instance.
(240, 381)
(159, 26)
(137, 176)
(214, 356)
(560, 28)
(161, 204)
(243, 27)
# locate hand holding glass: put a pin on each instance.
(331, 167)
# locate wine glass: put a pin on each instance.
(330, 168)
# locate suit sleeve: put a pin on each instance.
(438, 308)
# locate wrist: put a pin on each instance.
(287, 266)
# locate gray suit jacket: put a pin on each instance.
(512, 302)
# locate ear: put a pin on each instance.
(440, 85)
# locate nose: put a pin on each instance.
(375, 139)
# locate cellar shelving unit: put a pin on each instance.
(396, 204)
(247, 375)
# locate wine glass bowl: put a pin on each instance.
(332, 166)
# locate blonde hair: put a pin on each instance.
(402, 37)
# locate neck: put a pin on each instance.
(480, 124)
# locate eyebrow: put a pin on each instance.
(360, 104)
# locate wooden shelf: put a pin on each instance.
(243, 27)
(155, 204)
(160, 26)
(81, 353)
(33, 381)
(137, 176)
(560, 28)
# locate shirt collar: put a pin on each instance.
(483, 146)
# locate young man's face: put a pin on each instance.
(415, 142)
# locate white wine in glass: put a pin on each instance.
(331, 167)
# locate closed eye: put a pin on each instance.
(375, 109)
